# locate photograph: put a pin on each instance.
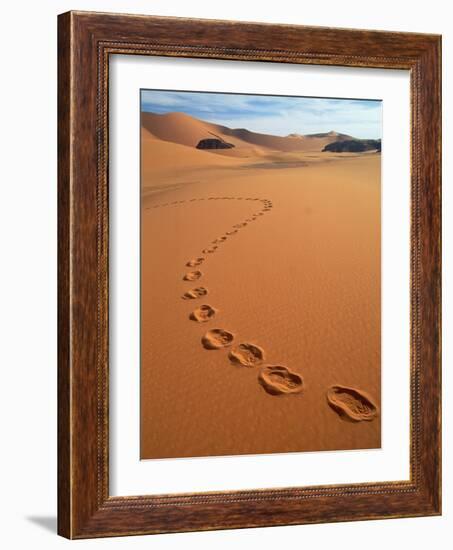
(249, 279)
(260, 273)
(227, 256)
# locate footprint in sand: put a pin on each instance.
(247, 355)
(217, 338)
(192, 275)
(232, 232)
(351, 403)
(195, 293)
(219, 240)
(278, 380)
(203, 313)
(209, 250)
(194, 262)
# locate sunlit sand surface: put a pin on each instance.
(262, 256)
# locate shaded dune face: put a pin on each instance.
(351, 403)
(184, 129)
(278, 380)
(247, 355)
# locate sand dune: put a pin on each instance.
(178, 127)
(162, 155)
(170, 158)
(289, 258)
(187, 130)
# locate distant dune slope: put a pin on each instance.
(178, 128)
(187, 130)
(158, 155)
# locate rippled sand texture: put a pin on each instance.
(260, 297)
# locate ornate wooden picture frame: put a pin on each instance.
(85, 506)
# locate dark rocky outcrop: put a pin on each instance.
(353, 146)
(214, 143)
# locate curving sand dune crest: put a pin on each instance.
(186, 130)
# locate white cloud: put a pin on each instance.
(272, 114)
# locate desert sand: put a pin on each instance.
(260, 293)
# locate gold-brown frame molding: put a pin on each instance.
(85, 42)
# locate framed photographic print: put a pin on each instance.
(249, 275)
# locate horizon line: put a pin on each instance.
(290, 135)
(279, 115)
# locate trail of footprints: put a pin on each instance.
(276, 380)
(350, 403)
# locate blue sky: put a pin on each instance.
(278, 115)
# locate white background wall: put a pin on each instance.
(28, 216)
